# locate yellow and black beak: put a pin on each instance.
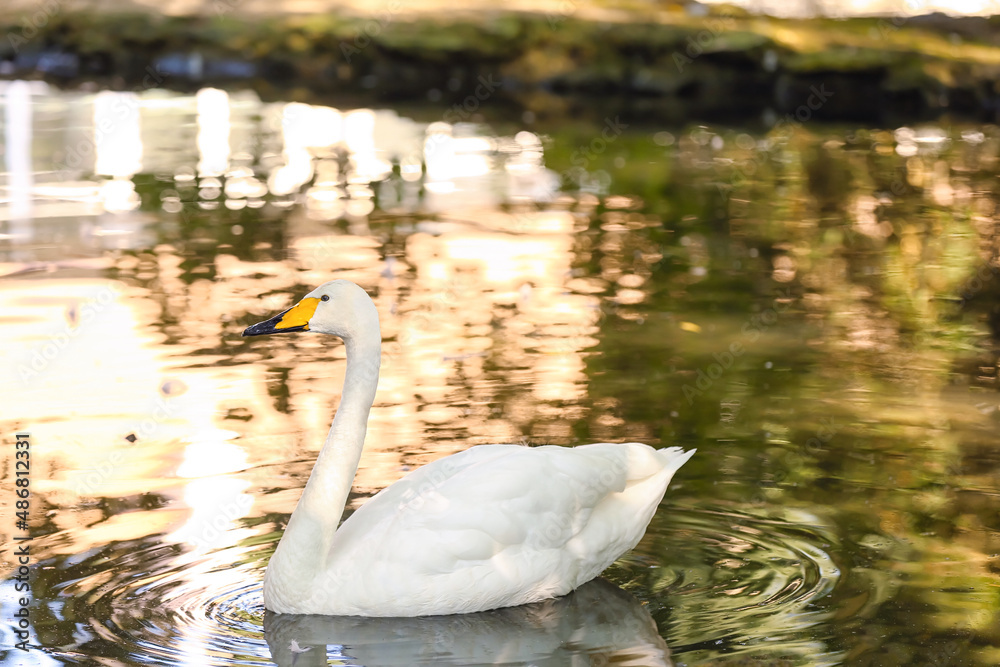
(295, 318)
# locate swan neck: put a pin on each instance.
(305, 547)
(360, 382)
(330, 482)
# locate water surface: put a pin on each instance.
(814, 308)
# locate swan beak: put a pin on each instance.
(295, 318)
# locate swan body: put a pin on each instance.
(493, 526)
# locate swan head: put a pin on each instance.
(338, 307)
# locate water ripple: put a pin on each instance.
(753, 580)
(147, 604)
(756, 580)
(207, 609)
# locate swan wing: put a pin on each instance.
(493, 526)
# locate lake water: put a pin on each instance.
(815, 308)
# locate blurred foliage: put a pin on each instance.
(670, 59)
(822, 297)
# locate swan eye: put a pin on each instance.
(325, 297)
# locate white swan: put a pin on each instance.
(493, 526)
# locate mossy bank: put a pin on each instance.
(663, 63)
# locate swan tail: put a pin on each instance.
(646, 463)
(672, 458)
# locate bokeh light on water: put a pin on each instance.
(814, 308)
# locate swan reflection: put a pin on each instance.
(597, 621)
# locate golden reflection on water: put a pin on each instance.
(474, 293)
(455, 293)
